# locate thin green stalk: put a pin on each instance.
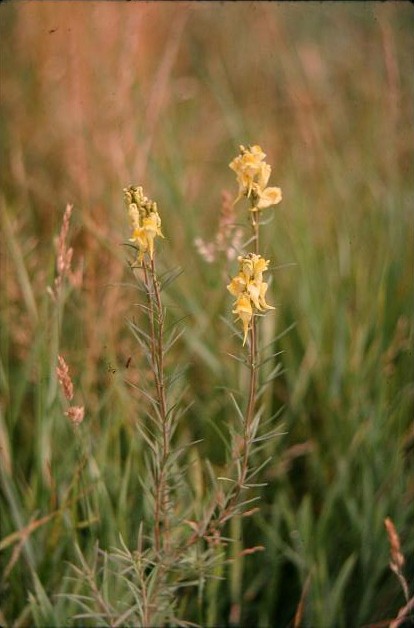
(254, 332)
(156, 319)
(255, 221)
(251, 404)
(160, 361)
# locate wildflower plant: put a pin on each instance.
(250, 290)
(146, 226)
(182, 544)
(252, 174)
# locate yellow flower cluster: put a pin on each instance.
(144, 220)
(249, 289)
(253, 174)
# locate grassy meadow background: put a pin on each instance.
(98, 96)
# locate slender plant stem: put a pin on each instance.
(156, 317)
(152, 324)
(255, 221)
(233, 498)
(254, 332)
(251, 404)
(164, 489)
(160, 359)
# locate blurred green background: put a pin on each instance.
(97, 96)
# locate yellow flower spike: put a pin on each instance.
(249, 288)
(248, 166)
(243, 309)
(144, 219)
(253, 174)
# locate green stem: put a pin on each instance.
(255, 221)
(251, 404)
(156, 318)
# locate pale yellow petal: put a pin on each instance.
(245, 328)
(254, 293)
(263, 290)
(243, 309)
(264, 175)
(235, 164)
(259, 267)
(243, 305)
(269, 196)
(258, 152)
(236, 286)
(260, 264)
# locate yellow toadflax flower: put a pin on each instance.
(144, 220)
(253, 174)
(237, 285)
(250, 289)
(249, 167)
